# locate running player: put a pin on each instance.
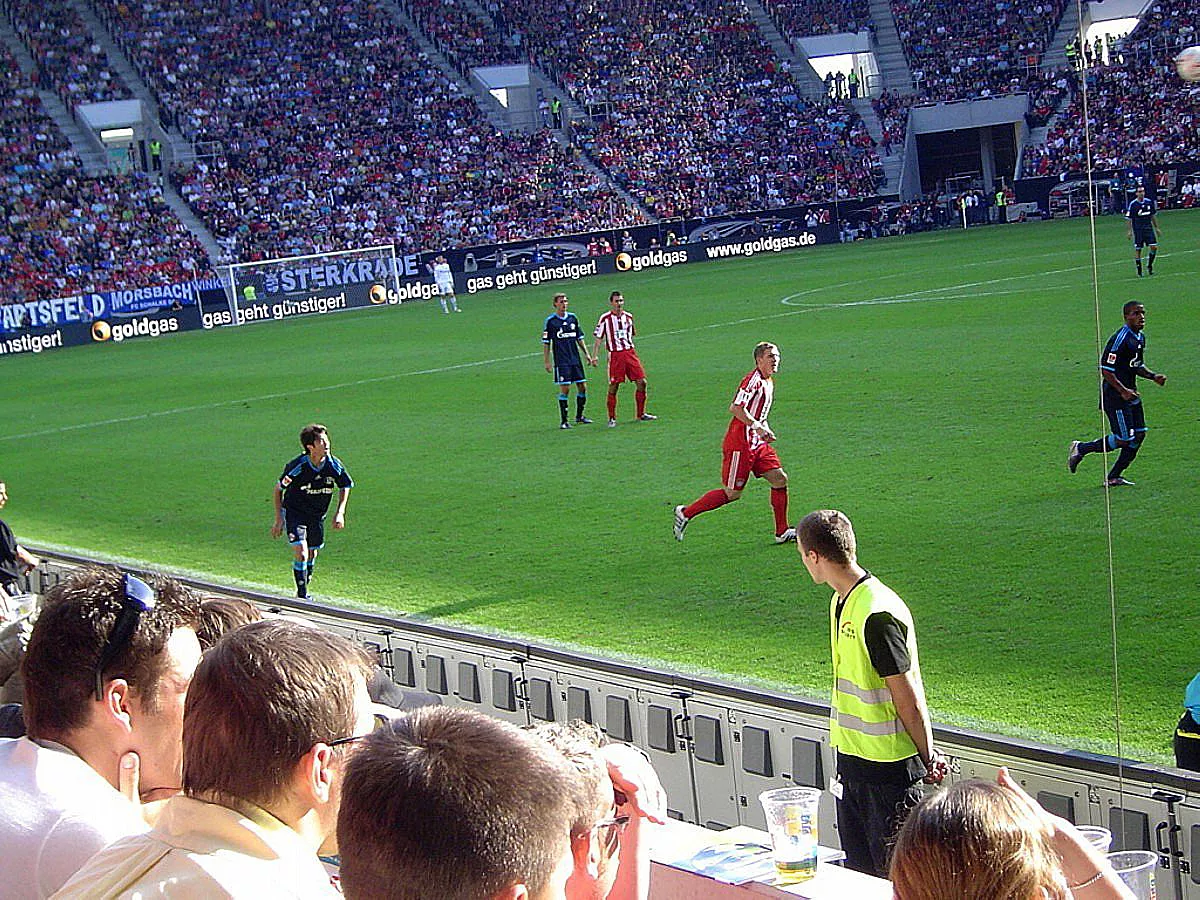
(616, 329)
(747, 448)
(302, 497)
(563, 336)
(1143, 228)
(445, 283)
(1120, 365)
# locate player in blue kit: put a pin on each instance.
(563, 337)
(1143, 228)
(302, 497)
(1120, 366)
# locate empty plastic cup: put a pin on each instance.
(792, 822)
(1136, 868)
(1100, 838)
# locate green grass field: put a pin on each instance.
(929, 387)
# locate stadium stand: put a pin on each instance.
(703, 119)
(1139, 113)
(69, 61)
(965, 49)
(64, 232)
(463, 36)
(807, 18)
(322, 151)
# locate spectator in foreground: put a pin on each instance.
(274, 709)
(15, 560)
(106, 672)
(981, 841)
(450, 804)
(1187, 732)
(619, 794)
(221, 614)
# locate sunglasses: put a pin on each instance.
(614, 827)
(382, 723)
(138, 598)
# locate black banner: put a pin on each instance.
(102, 331)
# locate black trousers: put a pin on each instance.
(869, 815)
(1187, 743)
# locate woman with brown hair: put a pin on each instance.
(981, 841)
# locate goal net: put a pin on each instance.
(315, 284)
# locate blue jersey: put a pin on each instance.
(1139, 214)
(1122, 356)
(307, 489)
(563, 334)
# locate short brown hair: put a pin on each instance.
(830, 533)
(70, 634)
(260, 699)
(974, 841)
(761, 348)
(221, 614)
(310, 433)
(450, 804)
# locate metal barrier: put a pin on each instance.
(716, 744)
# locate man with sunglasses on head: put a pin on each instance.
(274, 711)
(106, 672)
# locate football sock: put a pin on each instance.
(711, 500)
(562, 406)
(640, 396)
(1123, 461)
(612, 406)
(308, 569)
(1093, 446)
(1139, 265)
(442, 300)
(779, 503)
(580, 403)
(301, 575)
(1150, 262)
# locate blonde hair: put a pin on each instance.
(975, 840)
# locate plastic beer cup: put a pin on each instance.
(792, 823)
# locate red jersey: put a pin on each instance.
(617, 330)
(754, 395)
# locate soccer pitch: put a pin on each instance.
(929, 387)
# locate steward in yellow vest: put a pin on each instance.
(879, 724)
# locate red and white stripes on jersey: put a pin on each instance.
(754, 395)
(617, 330)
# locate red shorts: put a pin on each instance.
(624, 365)
(738, 464)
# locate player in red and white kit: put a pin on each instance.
(747, 449)
(616, 329)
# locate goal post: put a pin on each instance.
(313, 284)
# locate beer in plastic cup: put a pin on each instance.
(792, 822)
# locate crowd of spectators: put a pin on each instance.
(1140, 112)
(63, 232)
(966, 49)
(1047, 90)
(462, 35)
(336, 131)
(809, 18)
(700, 119)
(69, 60)
(891, 108)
